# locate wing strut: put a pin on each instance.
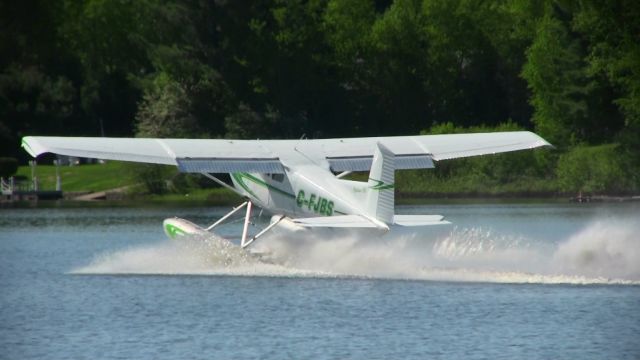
(222, 183)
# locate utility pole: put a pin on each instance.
(58, 180)
(34, 179)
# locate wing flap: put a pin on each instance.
(216, 165)
(363, 163)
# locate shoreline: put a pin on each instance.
(580, 198)
(219, 197)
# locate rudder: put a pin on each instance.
(380, 196)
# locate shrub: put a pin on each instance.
(490, 173)
(593, 169)
(8, 166)
(153, 177)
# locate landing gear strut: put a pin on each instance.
(245, 242)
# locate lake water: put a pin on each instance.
(535, 281)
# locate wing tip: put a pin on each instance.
(30, 145)
(541, 142)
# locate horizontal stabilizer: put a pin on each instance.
(418, 220)
(342, 221)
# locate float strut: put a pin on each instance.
(244, 242)
(227, 216)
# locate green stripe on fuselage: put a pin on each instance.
(240, 177)
(380, 185)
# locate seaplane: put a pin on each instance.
(299, 182)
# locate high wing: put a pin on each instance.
(269, 156)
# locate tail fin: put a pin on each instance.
(380, 196)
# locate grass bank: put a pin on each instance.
(115, 175)
(88, 177)
(420, 184)
(459, 179)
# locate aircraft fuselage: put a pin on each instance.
(306, 192)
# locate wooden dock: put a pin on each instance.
(12, 191)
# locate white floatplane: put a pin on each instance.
(301, 181)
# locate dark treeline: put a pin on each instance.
(570, 70)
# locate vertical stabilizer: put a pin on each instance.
(380, 196)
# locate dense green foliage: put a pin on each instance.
(568, 69)
(594, 169)
(8, 166)
(523, 173)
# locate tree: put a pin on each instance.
(165, 111)
(612, 28)
(347, 30)
(32, 102)
(245, 123)
(37, 90)
(555, 71)
(209, 97)
(109, 41)
(465, 77)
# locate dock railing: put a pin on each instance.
(6, 185)
(11, 185)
